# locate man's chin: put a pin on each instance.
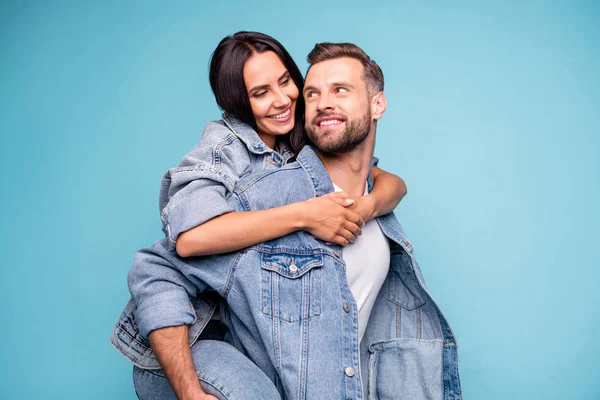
(328, 147)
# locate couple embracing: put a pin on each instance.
(284, 273)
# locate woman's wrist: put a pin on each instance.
(372, 207)
(299, 215)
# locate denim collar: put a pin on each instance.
(253, 142)
(318, 174)
(246, 134)
(316, 170)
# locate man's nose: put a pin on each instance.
(325, 102)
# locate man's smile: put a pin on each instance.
(331, 120)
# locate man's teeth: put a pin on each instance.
(330, 122)
(282, 115)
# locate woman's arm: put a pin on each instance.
(333, 218)
(326, 217)
(388, 191)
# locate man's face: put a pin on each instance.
(338, 113)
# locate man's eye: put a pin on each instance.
(311, 94)
(341, 90)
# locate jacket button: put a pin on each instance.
(350, 372)
(293, 268)
(346, 307)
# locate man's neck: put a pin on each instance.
(349, 171)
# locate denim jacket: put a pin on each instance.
(198, 189)
(191, 194)
(290, 309)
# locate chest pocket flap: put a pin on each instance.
(291, 286)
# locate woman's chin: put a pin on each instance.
(282, 129)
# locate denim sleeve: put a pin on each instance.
(161, 283)
(160, 289)
(197, 190)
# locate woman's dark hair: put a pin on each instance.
(227, 80)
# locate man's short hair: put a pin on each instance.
(373, 75)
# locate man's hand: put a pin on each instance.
(329, 218)
(173, 352)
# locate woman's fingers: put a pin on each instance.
(341, 198)
(352, 227)
(348, 235)
(354, 218)
(342, 241)
(340, 195)
(344, 202)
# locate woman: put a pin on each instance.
(257, 84)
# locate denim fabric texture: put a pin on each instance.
(290, 309)
(197, 190)
(222, 371)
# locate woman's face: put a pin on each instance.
(272, 94)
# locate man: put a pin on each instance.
(318, 322)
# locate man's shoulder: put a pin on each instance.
(281, 176)
(268, 189)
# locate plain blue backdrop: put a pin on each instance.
(493, 121)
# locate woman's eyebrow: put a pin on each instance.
(257, 88)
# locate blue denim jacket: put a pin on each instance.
(300, 324)
(191, 194)
(198, 189)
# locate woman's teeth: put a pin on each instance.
(282, 115)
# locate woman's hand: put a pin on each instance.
(364, 206)
(329, 218)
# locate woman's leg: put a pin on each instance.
(222, 370)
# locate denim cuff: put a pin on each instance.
(195, 209)
(165, 309)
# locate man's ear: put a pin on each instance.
(378, 105)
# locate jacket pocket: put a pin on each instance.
(404, 288)
(406, 369)
(291, 286)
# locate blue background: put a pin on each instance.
(493, 121)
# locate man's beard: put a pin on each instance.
(355, 133)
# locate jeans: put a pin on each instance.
(222, 370)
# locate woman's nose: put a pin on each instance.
(282, 100)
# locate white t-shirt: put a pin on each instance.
(367, 263)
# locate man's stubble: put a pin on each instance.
(355, 132)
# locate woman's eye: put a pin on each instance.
(285, 81)
(260, 94)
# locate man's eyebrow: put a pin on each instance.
(307, 88)
(332, 84)
(260, 87)
(343, 83)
